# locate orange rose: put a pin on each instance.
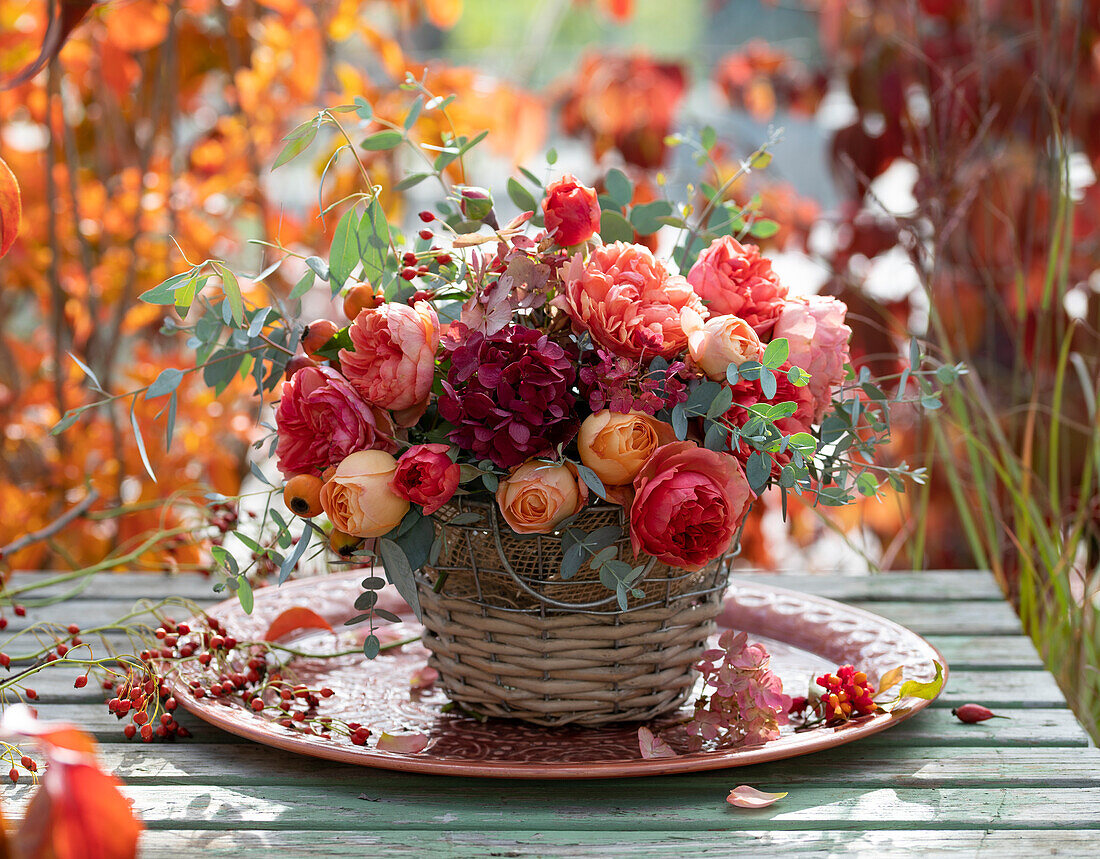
(538, 496)
(719, 342)
(616, 446)
(358, 499)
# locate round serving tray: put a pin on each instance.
(806, 636)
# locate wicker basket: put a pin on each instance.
(511, 639)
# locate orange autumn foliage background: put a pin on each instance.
(150, 137)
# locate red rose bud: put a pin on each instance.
(477, 204)
(571, 211)
(426, 475)
(971, 713)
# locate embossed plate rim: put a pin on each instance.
(243, 723)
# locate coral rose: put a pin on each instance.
(628, 302)
(427, 476)
(818, 338)
(716, 343)
(734, 279)
(688, 505)
(616, 446)
(394, 359)
(538, 496)
(571, 211)
(358, 499)
(322, 419)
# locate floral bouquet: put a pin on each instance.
(513, 406)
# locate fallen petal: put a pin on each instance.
(294, 619)
(652, 746)
(890, 679)
(408, 744)
(749, 797)
(423, 677)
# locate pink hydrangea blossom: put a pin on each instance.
(745, 704)
(818, 337)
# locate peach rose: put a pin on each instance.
(688, 505)
(394, 359)
(717, 342)
(616, 446)
(628, 301)
(538, 496)
(358, 499)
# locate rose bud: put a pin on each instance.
(537, 496)
(971, 713)
(571, 211)
(616, 446)
(426, 475)
(317, 334)
(302, 494)
(359, 298)
(719, 342)
(477, 204)
(358, 499)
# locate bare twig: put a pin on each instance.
(56, 525)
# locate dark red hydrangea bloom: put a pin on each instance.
(509, 395)
(748, 393)
(623, 385)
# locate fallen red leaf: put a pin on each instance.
(11, 208)
(78, 811)
(293, 619)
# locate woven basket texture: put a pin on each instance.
(511, 639)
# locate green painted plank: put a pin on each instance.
(260, 844)
(936, 586)
(372, 805)
(860, 764)
(936, 726)
(965, 617)
(987, 652)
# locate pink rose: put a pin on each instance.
(734, 279)
(427, 476)
(571, 211)
(719, 342)
(747, 393)
(322, 420)
(628, 301)
(688, 505)
(394, 359)
(814, 328)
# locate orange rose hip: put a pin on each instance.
(359, 298)
(317, 334)
(302, 494)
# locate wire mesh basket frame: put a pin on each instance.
(677, 584)
(503, 650)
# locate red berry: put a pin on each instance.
(409, 258)
(165, 719)
(217, 642)
(971, 713)
(443, 259)
(408, 273)
(73, 629)
(77, 640)
(62, 649)
(183, 629)
(14, 775)
(199, 693)
(327, 693)
(358, 740)
(170, 704)
(129, 731)
(426, 234)
(30, 693)
(81, 681)
(27, 762)
(162, 732)
(3, 623)
(257, 704)
(147, 732)
(204, 658)
(160, 633)
(19, 610)
(230, 642)
(183, 732)
(426, 216)
(5, 660)
(140, 717)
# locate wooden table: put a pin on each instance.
(1027, 786)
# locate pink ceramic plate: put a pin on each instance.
(806, 636)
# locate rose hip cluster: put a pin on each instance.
(846, 694)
